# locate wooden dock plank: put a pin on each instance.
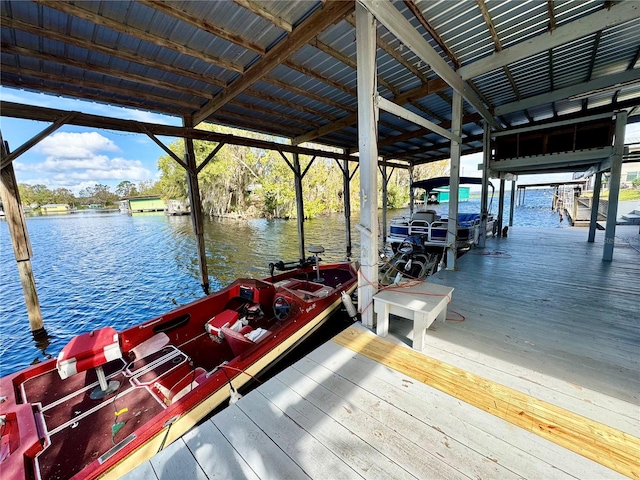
(363, 458)
(418, 460)
(470, 353)
(177, 462)
(312, 456)
(500, 442)
(142, 472)
(264, 457)
(433, 442)
(598, 442)
(215, 455)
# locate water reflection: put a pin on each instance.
(42, 341)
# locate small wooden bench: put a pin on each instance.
(422, 303)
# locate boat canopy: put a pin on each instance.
(431, 183)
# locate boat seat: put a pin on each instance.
(226, 318)
(91, 350)
(245, 338)
(425, 216)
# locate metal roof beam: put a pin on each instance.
(330, 13)
(619, 13)
(388, 15)
(626, 77)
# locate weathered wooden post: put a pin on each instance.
(196, 207)
(346, 196)
(297, 179)
(20, 239)
(385, 193)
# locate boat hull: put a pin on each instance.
(172, 374)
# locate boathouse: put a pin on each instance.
(150, 203)
(538, 377)
(54, 209)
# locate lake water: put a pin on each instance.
(106, 269)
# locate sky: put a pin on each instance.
(77, 157)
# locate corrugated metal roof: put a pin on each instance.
(177, 57)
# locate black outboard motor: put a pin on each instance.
(412, 244)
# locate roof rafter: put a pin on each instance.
(286, 103)
(76, 11)
(432, 31)
(259, 10)
(316, 76)
(626, 77)
(432, 86)
(393, 52)
(552, 16)
(98, 86)
(398, 25)
(73, 92)
(270, 111)
(70, 62)
(618, 13)
(332, 12)
(323, 47)
(121, 54)
(171, 9)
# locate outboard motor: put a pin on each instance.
(411, 261)
(412, 244)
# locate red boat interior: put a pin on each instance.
(146, 369)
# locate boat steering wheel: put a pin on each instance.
(281, 307)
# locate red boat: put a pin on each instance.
(111, 400)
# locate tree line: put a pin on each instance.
(251, 182)
(38, 195)
(244, 182)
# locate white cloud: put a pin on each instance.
(76, 160)
(75, 145)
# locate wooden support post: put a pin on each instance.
(595, 204)
(484, 195)
(454, 182)
(297, 178)
(346, 195)
(513, 201)
(20, 239)
(385, 191)
(411, 192)
(500, 208)
(614, 186)
(368, 147)
(196, 208)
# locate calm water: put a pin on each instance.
(95, 270)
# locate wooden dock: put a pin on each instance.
(540, 379)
